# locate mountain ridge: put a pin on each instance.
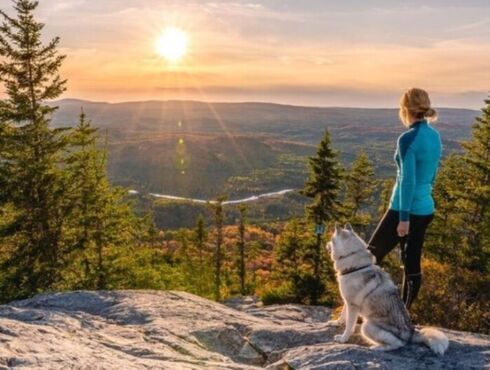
(245, 102)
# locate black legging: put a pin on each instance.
(385, 238)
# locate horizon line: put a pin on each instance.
(248, 102)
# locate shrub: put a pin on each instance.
(278, 295)
(454, 298)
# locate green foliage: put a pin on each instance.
(384, 197)
(218, 254)
(101, 220)
(360, 186)
(65, 223)
(288, 248)
(454, 298)
(31, 179)
(297, 262)
(29, 69)
(282, 294)
(324, 183)
(323, 187)
(475, 197)
(241, 248)
(199, 240)
(461, 230)
(175, 214)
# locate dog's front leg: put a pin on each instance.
(341, 318)
(351, 320)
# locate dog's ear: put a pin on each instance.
(348, 226)
(337, 228)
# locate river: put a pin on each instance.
(235, 201)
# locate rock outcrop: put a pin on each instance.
(176, 330)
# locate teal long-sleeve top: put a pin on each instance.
(417, 159)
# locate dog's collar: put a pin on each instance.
(348, 271)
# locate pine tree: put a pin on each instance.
(102, 221)
(254, 250)
(82, 165)
(322, 186)
(147, 232)
(444, 239)
(288, 250)
(185, 258)
(476, 194)
(360, 186)
(200, 236)
(30, 175)
(218, 254)
(295, 260)
(241, 247)
(461, 229)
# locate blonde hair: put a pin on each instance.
(415, 104)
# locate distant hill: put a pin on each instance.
(198, 149)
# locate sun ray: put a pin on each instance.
(221, 123)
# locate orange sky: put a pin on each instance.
(357, 53)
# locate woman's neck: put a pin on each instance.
(414, 121)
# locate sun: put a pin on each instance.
(172, 44)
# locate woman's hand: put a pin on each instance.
(402, 228)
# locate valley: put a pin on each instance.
(199, 150)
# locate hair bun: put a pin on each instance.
(431, 113)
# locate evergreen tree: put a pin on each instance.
(461, 229)
(218, 254)
(200, 236)
(102, 221)
(384, 197)
(30, 175)
(323, 184)
(322, 187)
(254, 250)
(186, 260)
(360, 186)
(288, 251)
(476, 194)
(147, 233)
(241, 247)
(295, 260)
(444, 239)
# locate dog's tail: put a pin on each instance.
(433, 338)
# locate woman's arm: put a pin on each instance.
(407, 174)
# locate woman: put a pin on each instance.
(411, 206)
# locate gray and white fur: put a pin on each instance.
(368, 291)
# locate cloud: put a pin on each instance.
(254, 46)
(227, 5)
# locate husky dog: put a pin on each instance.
(368, 291)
